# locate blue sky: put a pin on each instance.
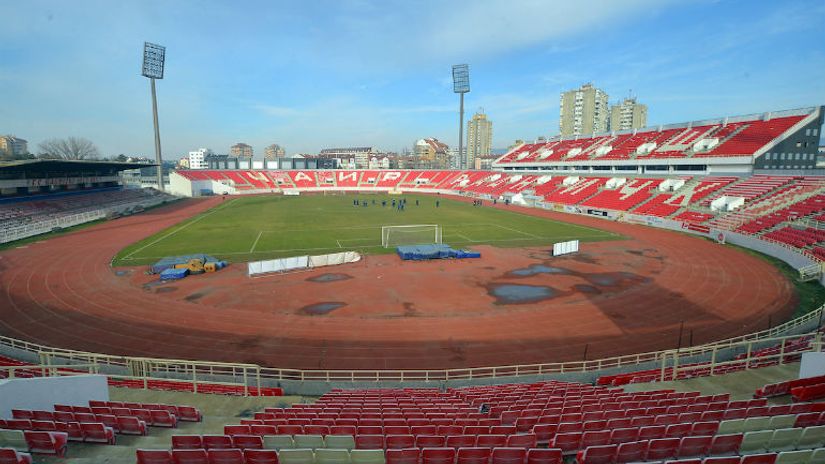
(315, 74)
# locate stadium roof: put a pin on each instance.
(35, 166)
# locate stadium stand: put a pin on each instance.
(536, 423)
(36, 215)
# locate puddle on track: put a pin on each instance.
(321, 309)
(329, 277)
(535, 269)
(520, 294)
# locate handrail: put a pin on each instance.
(144, 367)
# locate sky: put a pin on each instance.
(333, 73)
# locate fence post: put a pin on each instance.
(245, 382)
(664, 364)
(195, 378)
(712, 361)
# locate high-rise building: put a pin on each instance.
(197, 158)
(583, 111)
(13, 146)
(479, 137)
(274, 151)
(241, 150)
(629, 114)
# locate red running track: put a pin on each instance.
(617, 297)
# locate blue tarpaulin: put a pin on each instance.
(174, 274)
(433, 251)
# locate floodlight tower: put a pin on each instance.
(154, 57)
(461, 85)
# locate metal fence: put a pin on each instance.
(717, 355)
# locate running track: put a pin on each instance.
(62, 292)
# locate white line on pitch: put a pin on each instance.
(339, 243)
(256, 241)
(517, 231)
(465, 237)
(179, 229)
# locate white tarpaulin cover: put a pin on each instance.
(334, 258)
(301, 262)
(563, 248)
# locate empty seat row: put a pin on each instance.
(35, 442)
(660, 449)
(351, 442)
(124, 424)
(182, 412)
(572, 441)
(783, 440)
(157, 418)
(816, 456)
(271, 427)
(342, 456)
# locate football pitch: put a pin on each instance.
(262, 227)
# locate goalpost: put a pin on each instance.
(415, 234)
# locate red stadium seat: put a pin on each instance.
(722, 460)
(695, 446)
(600, 454)
(567, 442)
(544, 456)
(402, 456)
(189, 414)
(187, 442)
(237, 430)
(437, 455)
(198, 456)
(131, 425)
(400, 441)
(526, 440)
(254, 456)
(430, 441)
(595, 438)
(660, 449)
(244, 442)
(97, 433)
(508, 456)
(47, 442)
(725, 444)
(631, 452)
(460, 441)
(12, 456)
(145, 456)
(226, 456)
(768, 458)
(217, 441)
(491, 441)
(369, 441)
(473, 455)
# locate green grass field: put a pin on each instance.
(263, 227)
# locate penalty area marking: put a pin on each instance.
(254, 244)
(156, 241)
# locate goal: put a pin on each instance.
(415, 234)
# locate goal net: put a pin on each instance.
(416, 234)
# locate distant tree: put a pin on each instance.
(72, 148)
(7, 157)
